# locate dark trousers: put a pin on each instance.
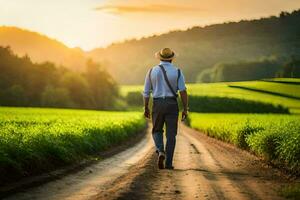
(165, 112)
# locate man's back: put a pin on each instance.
(157, 83)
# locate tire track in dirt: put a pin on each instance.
(215, 174)
(227, 165)
(206, 168)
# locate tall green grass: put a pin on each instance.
(34, 139)
(276, 137)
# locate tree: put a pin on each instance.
(291, 69)
(56, 97)
(78, 89)
(205, 76)
(24, 83)
(101, 85)
(14, 96)
(246, 70)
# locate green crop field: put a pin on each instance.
(285, 80)
(276, 137)
(224, 90)
(280, 89)
(33, 139)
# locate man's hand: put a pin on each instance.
(146, 107)
(184, 115)
(147, 112)
(184, 99)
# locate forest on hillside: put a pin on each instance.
(202, 48)
(251, 70)
(25, 83)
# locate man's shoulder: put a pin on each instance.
(171, 65)
(155, 68)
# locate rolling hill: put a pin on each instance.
(201, 48)
(41, 48)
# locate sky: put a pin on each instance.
(97, 23)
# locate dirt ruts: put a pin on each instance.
(206, 168)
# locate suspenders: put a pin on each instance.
(166, 79)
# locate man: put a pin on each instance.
(164, 80)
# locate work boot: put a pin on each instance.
(161, 159)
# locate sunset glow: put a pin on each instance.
(95, 23)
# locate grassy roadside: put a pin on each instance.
(291, 191)
(275, 137)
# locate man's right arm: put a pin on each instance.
(183, 95)
(184, 99)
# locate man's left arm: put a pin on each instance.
(146, 95)
(146, 107)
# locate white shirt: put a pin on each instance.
(160, 87)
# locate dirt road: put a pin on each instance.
(204, 169)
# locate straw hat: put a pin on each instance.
(165, 54)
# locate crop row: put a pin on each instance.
(34, 140)
(210, 104)
(275, 137)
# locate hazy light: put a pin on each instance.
(94, 23)
(152, 8)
